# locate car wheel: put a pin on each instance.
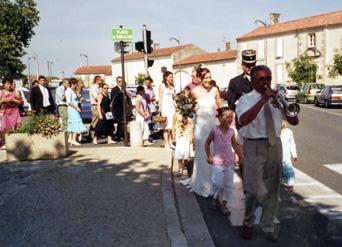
(326, 104)
(316, 102)
(306, 101)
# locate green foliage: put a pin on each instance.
(17, 20)
(45, 125)
(302, 69)
(139, 79)
(336, 68)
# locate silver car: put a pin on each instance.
(290, 91)
(330, 95)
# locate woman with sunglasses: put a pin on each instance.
(105, 124)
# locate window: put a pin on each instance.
(279, 47)
(279, 73)
(261, 49)
(312, 40)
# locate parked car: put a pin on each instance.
(308, 92)
(86, 106)
(24, 92)
(330, 95)
(224, 93)
(290, 91)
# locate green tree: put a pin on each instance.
(302, 69)
(17, 20)
(336, 68)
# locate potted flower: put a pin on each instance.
(41, 137)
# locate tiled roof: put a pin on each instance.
(84, 70)
(156, 53)
(208, 57)
(332, 18)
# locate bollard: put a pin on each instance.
(135, 133)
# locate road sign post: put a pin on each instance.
(123, 35)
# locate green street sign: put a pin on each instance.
(122, 34)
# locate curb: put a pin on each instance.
(173, 225)
(190, 214)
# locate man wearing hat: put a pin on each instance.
(241, 84)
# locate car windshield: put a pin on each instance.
(317, 86)
(337, 89)
(292, 88)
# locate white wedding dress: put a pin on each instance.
(205, 120)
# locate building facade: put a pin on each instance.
(278, 43)
(88, 73)
(164, 58)
(222, 66)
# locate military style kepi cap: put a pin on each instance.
(249, 56)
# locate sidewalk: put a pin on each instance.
(96, 197)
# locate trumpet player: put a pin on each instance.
(262, 149)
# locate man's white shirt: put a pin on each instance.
(94, 92)
(257, 128)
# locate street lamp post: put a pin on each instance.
(86, 56)
(29, 71)
(265, 40)
(179, 65)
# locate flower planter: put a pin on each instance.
(22, 146)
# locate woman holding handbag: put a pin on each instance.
(105, 124)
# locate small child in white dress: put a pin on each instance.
(289, 154)
(182, 132)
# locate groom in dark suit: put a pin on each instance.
(41, 98)
(117, 107)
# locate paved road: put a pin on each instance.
(319, 142)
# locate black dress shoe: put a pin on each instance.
(271, 236)
(247, 232)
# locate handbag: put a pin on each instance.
(159, 119)
(109, 115)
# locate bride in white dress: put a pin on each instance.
(208, 99)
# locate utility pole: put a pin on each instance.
(37, 66)
(122, 53)
(49, 65)
(145, 48)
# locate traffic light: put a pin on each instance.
(149, 42)
(139, 46)
(150, 62)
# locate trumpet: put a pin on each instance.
(290, 110)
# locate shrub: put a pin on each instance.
(44, 124)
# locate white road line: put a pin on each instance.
(321, 110)
(335, 167)
(324, 196)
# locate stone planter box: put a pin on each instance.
(21, 146)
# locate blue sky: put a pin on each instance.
(70, 27)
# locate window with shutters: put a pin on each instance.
(312, 40)
(279, 47)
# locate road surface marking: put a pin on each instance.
(318, 109)
(334, 167)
